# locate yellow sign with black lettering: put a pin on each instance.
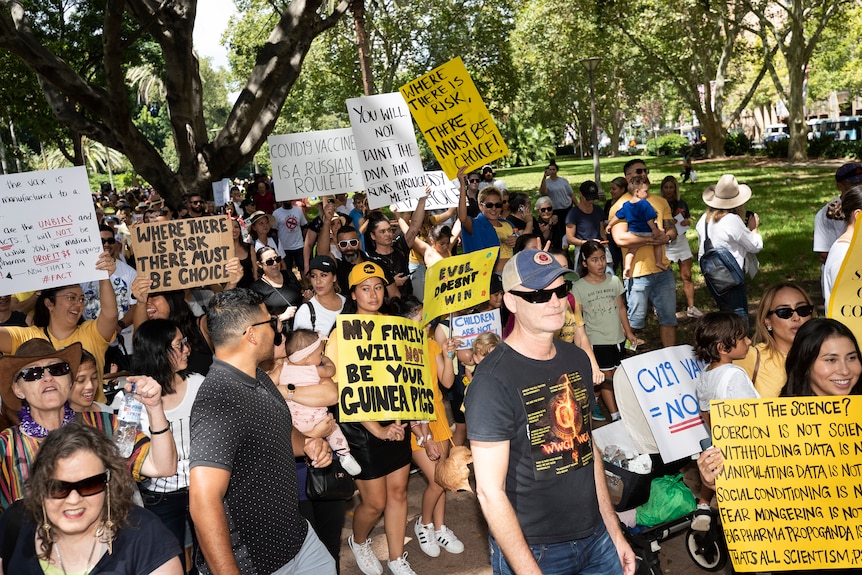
(458, 282)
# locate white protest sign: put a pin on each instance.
(312, 164)
(444, 194)
(468, 327)
(49, 236)
(221, 192)
(663, 381)
(387, 149)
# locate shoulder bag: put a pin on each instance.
(719, 267)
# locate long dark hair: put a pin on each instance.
(153, 349)
(41, 314)
(182, 315)
(63, 443)
(374, 218)
(805, 351)
(587, 249)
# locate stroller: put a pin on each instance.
(628, 490)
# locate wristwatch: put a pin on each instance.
(291, 389)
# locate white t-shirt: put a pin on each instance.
(324, 319)
(731, 234)
(288, 223)
(121, 280)
(726, 381)
(271, 243)
(837, 253)
(826, 231)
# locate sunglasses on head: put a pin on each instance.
(36, 373)
(542, 295)
(492, 205)
(787, 312)
(348, 243)
(272, 261)
(58, 489)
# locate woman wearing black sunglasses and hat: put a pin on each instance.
(280, 289)
(35, 383)
(79, 516)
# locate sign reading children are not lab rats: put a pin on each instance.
(49, 236)
(186, 253)
(383, 369)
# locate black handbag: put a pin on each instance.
(719, 267)
(329, 483)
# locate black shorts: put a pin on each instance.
(609, 356)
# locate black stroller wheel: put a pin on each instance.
(645, 566)
(705, 550)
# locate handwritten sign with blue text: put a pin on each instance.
(311, 164)
(468, 327)
(387, 149)
(663, 381)
(49, 236)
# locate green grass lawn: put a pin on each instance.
(785, 196)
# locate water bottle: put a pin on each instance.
(129, 420)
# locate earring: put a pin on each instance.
(46, 525)
(769, 328)
(108, 525)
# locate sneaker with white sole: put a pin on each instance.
(448, 540)
(597, 414)
(426, 539)
(349, 463)
(702, 518)
(401, 567)
(694, 312)
(367, 562)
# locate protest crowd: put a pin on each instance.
(244, 383)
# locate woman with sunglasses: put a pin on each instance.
(784, 308)
(486, 230)
(80, 517)
(280, 290)
(162, 352)
(36, 383)
(318, 313)
(57, 318)
(547, 222)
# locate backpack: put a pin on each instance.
(719, 267)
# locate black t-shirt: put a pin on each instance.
(395, 263)
(542, 408)
(279, 299)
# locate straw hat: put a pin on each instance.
(728, 194)
(261, 214)
(29, 352)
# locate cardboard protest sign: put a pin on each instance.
(181, 254)
(663, 381)
(458, 282)
(444, 194)
(468, 327)
(221, 192)
(790, 495)
(49, 236)
(454, 119)
(312, 164)
(845, 302)
(386, 145)
(383, 369)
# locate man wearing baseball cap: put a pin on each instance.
(525, 481)
(829, 221)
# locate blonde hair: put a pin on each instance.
(485, 343)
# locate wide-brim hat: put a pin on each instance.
(728, 194)
(363, 271)
(29, 352)
(253, 219)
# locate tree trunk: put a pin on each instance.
(357, 8)
(797, 61)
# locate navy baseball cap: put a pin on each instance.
(850, 172)
(534, 269)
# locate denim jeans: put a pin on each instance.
(658, 288)
(592, 555)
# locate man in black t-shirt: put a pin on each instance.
(243, 491)
(539, 476)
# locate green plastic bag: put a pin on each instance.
(669, 499)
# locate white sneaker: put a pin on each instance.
(365, 558)
(425, 537)
(448, 540)
(702, 518)
(694, 312)
(349, 463)
(401, 567)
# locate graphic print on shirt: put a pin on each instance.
(558, 425)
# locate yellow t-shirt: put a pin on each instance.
(771, 374)
(504, 231)
(644, 262)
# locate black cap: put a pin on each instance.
(322, 263)
(590, 190)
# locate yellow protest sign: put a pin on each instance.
(845, 302)
(383, 369)
(458, 282)
(186, 253)
(790, 495)
(454, 119)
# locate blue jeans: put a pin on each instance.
(658, 288)
(312, 559)
(592, 555)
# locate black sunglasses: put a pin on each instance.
(640, 171)
(59, 489)
(273, 322)
(109, 241)
(474, 180)
(36, 373)
(491, 205)
(546, 210)
(542, 295)
(272, 261)
(787, 312)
